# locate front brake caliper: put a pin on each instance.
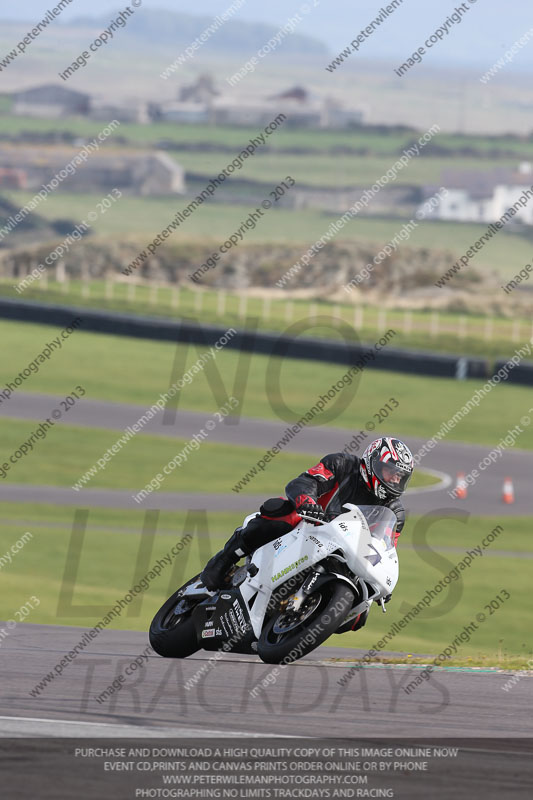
(295, 601)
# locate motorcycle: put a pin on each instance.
(291, 595)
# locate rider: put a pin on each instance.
(379, 477)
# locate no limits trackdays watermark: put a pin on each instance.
(142, 585)
(345, 381)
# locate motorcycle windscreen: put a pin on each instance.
(381, 523)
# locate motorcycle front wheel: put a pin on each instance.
(287, 636)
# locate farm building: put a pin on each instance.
(142, 173)
(50, 101)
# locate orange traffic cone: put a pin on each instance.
(508, 491)
(461, 486)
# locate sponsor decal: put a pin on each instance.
(315, 540)
(277, 544)
(208, 634)
(240, 615)
(343, 526)
(225, 596)
(288, 569)
(210, 608)
(225, 624)
(209, 624)
(234, 622)
(311, 582)
(389, 582)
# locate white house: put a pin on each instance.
(484, 196)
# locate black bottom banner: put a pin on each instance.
(126, 769)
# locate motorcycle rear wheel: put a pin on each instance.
(174, 635)
(335, 600)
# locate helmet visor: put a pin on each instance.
(393, 476)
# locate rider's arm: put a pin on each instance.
(317, 480)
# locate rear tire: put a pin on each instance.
(173, 636)
(335, 602)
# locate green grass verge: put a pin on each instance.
(68, 451)
(136, 371)
(109, 552)
(455, 334)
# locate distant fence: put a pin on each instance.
(265, 343)
(274, 312)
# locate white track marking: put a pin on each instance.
(444, 481)
(37, 726)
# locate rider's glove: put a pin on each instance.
(396, 507)
(308, 506)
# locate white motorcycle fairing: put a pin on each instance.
(365, 547)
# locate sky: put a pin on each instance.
(488, 29)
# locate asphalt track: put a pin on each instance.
(304, 699)
(446, 460)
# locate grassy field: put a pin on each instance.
(68, 451)
(143, 218)
(388, 144)
(326, 170)
(136, 371)
(110, 548)
(473, 334)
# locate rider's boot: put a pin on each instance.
(214, 573)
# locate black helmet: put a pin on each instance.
(386, 467)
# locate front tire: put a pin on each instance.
(333, 602)
(174, 635)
